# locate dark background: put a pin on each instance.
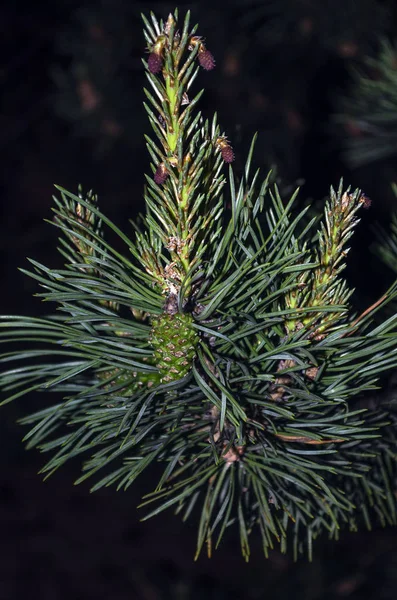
(71, 90)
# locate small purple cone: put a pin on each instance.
(366, 202)
(155, 63)
(227, 154)
(161, 174)
(206, 60)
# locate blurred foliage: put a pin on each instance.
(368, 111)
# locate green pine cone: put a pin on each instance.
(174, 340)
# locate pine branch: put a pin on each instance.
(220, 344)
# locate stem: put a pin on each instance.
(187, 163)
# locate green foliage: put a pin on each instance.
(369, 112)
(256, 422)
(386, 246)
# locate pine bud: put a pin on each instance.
(227, 154)
(225, 149)
(161, 174)
(365, 201)
(155, 60)
(155, 63)
(206, 59)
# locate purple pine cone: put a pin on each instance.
(155, 63)
(161, 174)
(206, 60)
(227, 153)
